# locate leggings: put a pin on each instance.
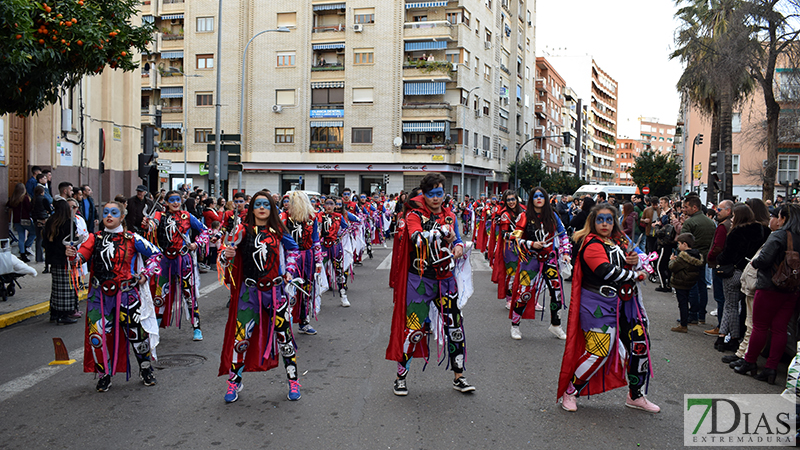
(527, 292)
(771, 313)
(103, 318)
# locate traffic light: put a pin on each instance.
(567, 137)
(148, 154)
(698, 140)
(716, 181)
(795, 187)
(385, 180)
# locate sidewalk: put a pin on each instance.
(31, 299)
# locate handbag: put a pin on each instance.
(725, 270)
(25, 223)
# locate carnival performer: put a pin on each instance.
(607, 320)
(505, 256)
(177, 287)
(479, 232)
(351, 206)
(366, 211)
(120, 309)
(259, 325)
(542, 243)
(301, 222)
(491, 229)
(397, 255)
(425, 283)
(378, 212)
(332, 226)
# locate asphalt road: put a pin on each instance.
(346, 386)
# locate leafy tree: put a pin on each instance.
(531, 172)
(47, 47)
(659, 171)
(563, 183)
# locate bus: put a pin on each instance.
(619, 192)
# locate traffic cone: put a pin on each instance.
(62, 355)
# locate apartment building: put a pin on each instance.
(550, 99)
(659, 137)
(627, 151)
(357, 94)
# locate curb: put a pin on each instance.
(24, 313)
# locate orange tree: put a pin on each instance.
(659, 171)
(47, 46)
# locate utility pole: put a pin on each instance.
(218, 105)
(463, 138)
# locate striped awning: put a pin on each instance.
(172, 16)
(327, 84)
(327, 124)
(147, 88)
(329, 6)
(423, 127)
(425, 45)
(426, 4)
(172, 55)
(172, 92)
(424, 88)
(148, 19)
(327, 46)
(172, 125)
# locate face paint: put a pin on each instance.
(435, 193)
(538, 195)
(113, 212)
(174, 199)
(511, 199)
(261, 203)
(363, 197)
(329, 203)
(238, 202)
(338, 205)
(604, 218)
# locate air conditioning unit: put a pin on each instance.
(455, 67)
(478, 113)
(277, 108)
(487, 44)
(358, 28)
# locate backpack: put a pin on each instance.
(786, 276)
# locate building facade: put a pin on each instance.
(627, 152)
(658, 137)
(548, 109)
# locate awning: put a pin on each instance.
(425, 45)
(424, 88)
(147, 88)
(327, 84)
(172, 55)
(327, 46)
(172, 92)
(423, 127)
(172, 16)
(148, 19)
(329, 6)
(328, 124)
(177, 126)
(425, 5)
(504, 114)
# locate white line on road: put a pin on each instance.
(386, 264)
(18, 385)
(209, 289)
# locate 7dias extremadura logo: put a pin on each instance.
(738, 420)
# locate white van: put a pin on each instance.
(620, 192)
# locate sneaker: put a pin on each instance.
(202, 270)
(680, 329)
(663, 289)
(515, 334)
(400, 387)
(712, 332)
(104, 383)
(307, 329)
(24, 258)
(294, 390)
(558, 332)
(569, 402)
(198, 335)
(232, 393)
(508, 305)
(147, 376)
(76, 314)
(713, 313)
(461, 384)
(539, 307)
(345, 302)
(642, 403)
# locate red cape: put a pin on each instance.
(396, 254)
(605, 379)
(498, 262)
(253, 361)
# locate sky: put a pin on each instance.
(630, 40)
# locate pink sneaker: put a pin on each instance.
(569, 402)
(641, 403)
(539, 307)
(508, 304)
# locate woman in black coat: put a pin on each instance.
(579, 220)
(39, 214)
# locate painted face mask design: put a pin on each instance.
(435, 193)
(604, 218)
(538, 195)
(174, 199)
(113, 212)
(261, 203)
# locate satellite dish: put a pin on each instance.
(398, 141)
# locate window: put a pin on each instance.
(465, 17)
(420, 18)
(477, 64)
(487, 72)
(327, 97)
(363, 56)
(286, 59)
(284, 135)
(735, 163)
(475, 140)
(201, 135)
(326, 138)
(287, 19)
(486, 106)
(736, 122)
(527, 72)
(488, 35)
(205, 24)
(453, 56)
(464, 97)
(488, 4)
(453, 17)
(362, 95)
(787, 168)
(466, 58)
(466, 138)
(171, 136)
(362, 136)
(364, 15)
(487, 143)
(477, 27)
(205, 61)
(205, 99)
(284, 97)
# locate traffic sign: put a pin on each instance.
(646, 190)
(164, 165)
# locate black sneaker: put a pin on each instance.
(104, 383)
(463, 385)
(147, 376)
(400, 387)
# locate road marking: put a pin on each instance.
(22, 383)
(386, 264)
(210, 288)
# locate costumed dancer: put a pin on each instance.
(607, 321)
(351, 206)
(332, 227)
(301, 222)
(379, 218)
(259, 325)
(479, 231)
(120, 309)
(426, 291)
(491, 229)
(542, 243)
(177, 287)
(366, 210)
(505, 256)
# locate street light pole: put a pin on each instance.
(463, 140)
(241, 89)
(185, 121)
(516, 158)
(218, 106)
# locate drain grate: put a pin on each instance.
(178, 361)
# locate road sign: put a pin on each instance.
(164, 165)
(646, 190)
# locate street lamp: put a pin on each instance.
(463, 140)
(241, 90)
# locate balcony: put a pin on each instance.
(428, 111)
(170, 79)
(326, 148)
(332, 72)
(428, 70)
(426, 147)
(171, 42)
(328, 31)
(539, 110)
(541, 85)
(172, 113)
(435, 29)
(172, 6)
(149, 80)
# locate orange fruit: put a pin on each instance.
(19, 36)
(80, 42)
(124, 53)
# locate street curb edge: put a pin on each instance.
(24, 313)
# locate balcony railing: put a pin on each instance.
(328, 67)
(326, 148)
(171, 37)
(447, 147)
(171, 109)
(334, 28)
(427, 105)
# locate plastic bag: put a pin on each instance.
(791, 377)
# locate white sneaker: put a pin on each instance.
(558, 332)
(508, 305)
(713, 313)
(539, 307)
(515, 334)
(345, 302)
